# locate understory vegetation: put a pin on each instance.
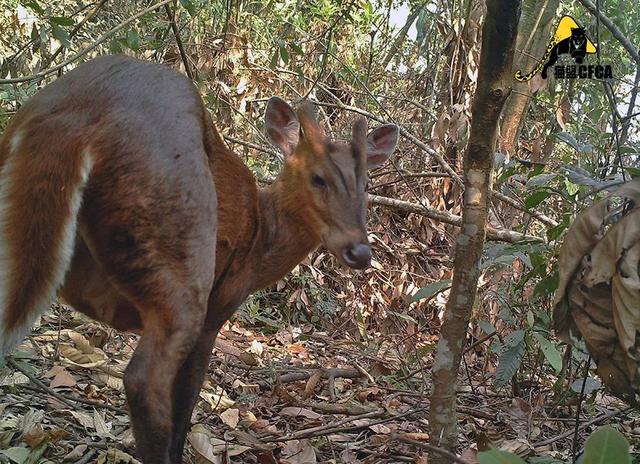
(333, 365)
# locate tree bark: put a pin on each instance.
(494, 84)
(534, 30)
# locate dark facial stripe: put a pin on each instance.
(342, 178)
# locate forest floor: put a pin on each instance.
(291, 396)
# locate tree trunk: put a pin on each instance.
(494, 84)
(534, 31)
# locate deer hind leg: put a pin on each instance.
(155, 240)
(186, 389)
(172, 309)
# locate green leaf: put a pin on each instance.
(540, 180)
(402, 316)
(633, 172)
(607, 446)
(567, 138)
(571, 140)
(296, 48)
(133, 40)
(62, 21)
(590, 385)
(547, 285)
(35, 6)
(430, 290)
(536, 198)
(284, 54)
(16, 454)
(550, 352)
(510, 358)
(486, 326)
(61, 35)
(495, 456)
(275, 59)
(115, 47)
(189, 6)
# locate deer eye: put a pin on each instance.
(318, 181)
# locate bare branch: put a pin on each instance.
(171, 14)
(86, 50)
(617, 33)
(448, 218)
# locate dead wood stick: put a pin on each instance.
(332, 408)
(335, 427)
(171, 14)
(77, 399)
(347, 373)
(593, 421)
(41, 386)
(311, 432)
(428, 447)
(443, 216)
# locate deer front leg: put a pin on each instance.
(186, 389)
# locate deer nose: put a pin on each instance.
(357, 256)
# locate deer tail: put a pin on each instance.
(42, 178)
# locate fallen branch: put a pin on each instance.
(434, 449)
(593, 421)
(347, 373)
(335, 427)
(42, 387)
(443, 216)
(330, 428)
(338, 408)
(76, 399)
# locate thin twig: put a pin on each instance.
(593, 421)
(94, 403)
(617, 33)
(75, 30)
(574, 448)
(443, 216)
(11, 362)
(86, 50)
(172, 22)
(428, 447)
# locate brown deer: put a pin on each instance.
(118, 193)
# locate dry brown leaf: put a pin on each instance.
(598, 294)
(563, 111)
(75, 357)
(230, 417)
(116, 456)
(76, 453)
(294, 411)
(110, 381)
(311, 384)
(81, 342)
(298, 452)
(380, 428)
(103, 429)
(63, 379)
(83, 419)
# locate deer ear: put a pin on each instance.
(380, 144)
(282, 125)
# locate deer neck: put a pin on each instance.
(289, 230)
